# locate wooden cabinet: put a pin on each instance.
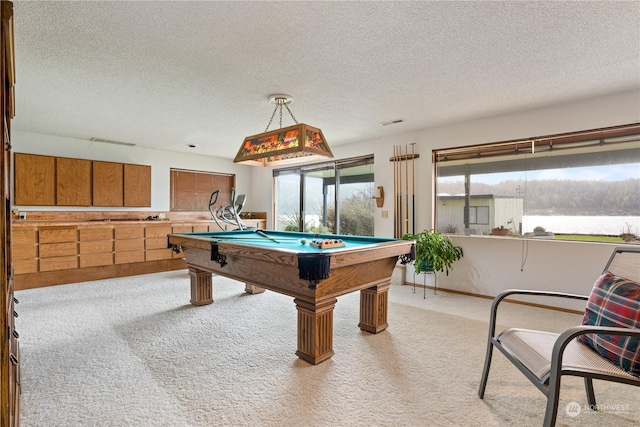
(95, 246)
(129, 244)
(155, 242)
(60, 181)
(108, 184)
(58, 248)
(24, 244)
(137, 185)
(73, 182)
(51, 254)
(34, 180)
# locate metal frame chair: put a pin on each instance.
(544, 357)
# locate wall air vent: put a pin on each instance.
(110, 141)
(392, 122)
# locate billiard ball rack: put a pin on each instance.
(327, 243)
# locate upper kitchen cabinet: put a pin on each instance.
(73, 182)
(108, 184)
(137, 185)
(60, 181)
(34, 180)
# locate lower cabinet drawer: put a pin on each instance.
(130, 256)
(129, 245)
(94, 260)
(97, 247)
(22, 266)
(24, 251)
(58, 263)
(156, 254)
(156, 243)
(48, 250)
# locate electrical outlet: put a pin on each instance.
(161, 216)
(385, 214)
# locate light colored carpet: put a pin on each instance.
(134, 352)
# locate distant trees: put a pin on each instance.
(563, 197)
(356, 214)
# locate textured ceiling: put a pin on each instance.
(168, 74)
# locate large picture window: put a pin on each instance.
(331, 197)
(579, 186)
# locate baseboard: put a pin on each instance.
(61, 277)
(471, 294)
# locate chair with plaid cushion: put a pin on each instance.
(605, 347)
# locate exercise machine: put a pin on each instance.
(228, 214)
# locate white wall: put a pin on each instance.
(160, 162)
(616, 109)
(493, 264)
(490, 264)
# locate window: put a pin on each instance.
(579, 186)
(478, 215)
(332, 197)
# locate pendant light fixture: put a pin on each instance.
(284, 145)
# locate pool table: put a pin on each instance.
(288, 263)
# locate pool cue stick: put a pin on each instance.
(254, 238)
(413, 188)
(263, 234)
(395, 192)
(399, 191)
(406, 180)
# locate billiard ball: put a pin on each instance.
(303, 241)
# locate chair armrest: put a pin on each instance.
(501, 296)
(564, 338)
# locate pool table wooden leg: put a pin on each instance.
(374, 303)
(315, 330)
(201, 287)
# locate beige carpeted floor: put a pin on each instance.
(134, 352)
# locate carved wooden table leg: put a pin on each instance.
(374, 303)
(315, 330)
(201, 287)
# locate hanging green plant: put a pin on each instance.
(434, 251)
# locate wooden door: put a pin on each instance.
(9, 347)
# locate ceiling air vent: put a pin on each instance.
(110, 141)
(392, 122)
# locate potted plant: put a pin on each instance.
(500, 231)
(434, 251)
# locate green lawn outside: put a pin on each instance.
(589, 238)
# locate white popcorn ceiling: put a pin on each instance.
(168, 74)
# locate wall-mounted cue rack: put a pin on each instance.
(404, 206)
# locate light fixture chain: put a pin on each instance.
(292, 116)
(272, 116)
